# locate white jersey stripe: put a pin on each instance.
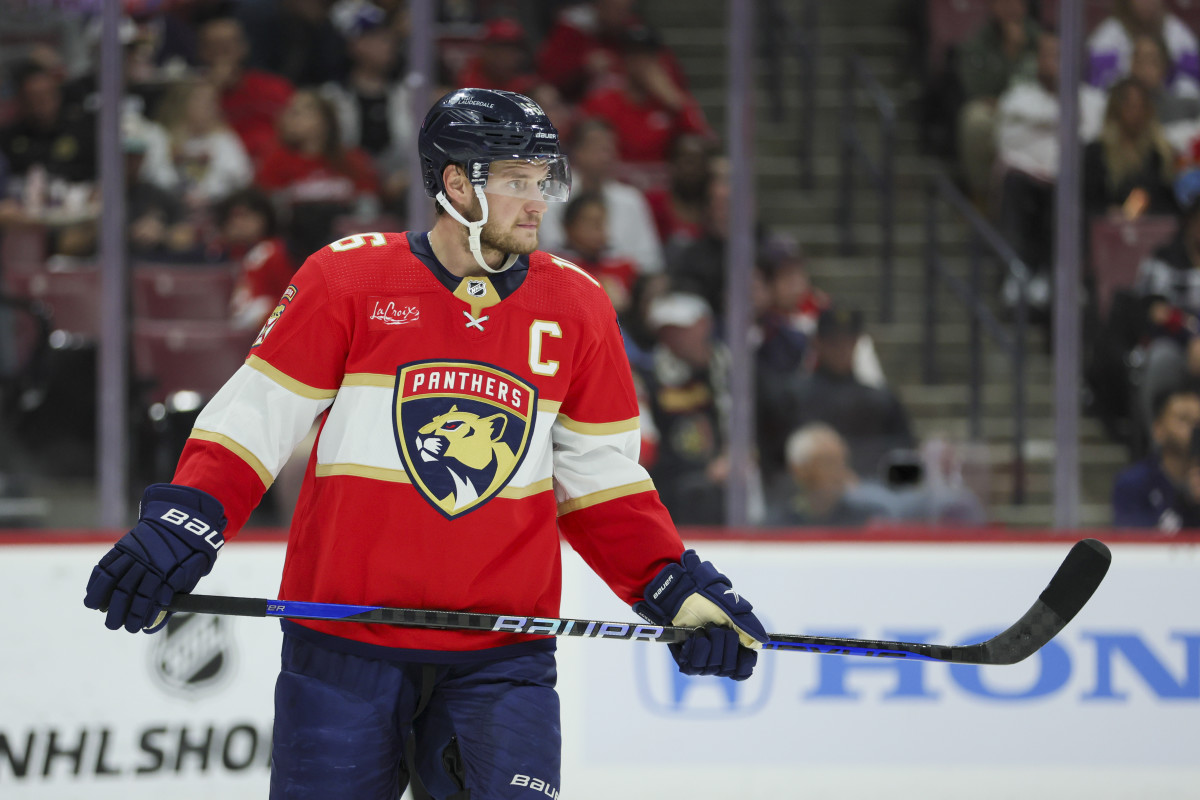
(263, 416)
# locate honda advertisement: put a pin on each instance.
(1109, 708)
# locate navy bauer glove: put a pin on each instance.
(693, 594)
(173, 545)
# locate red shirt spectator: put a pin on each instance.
(315, 177)
(252, 105)
(645, 126)
(249, 233)
(251, 99)
(586, 44)
(502, 62)
(647, 108)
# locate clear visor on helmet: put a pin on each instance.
(545, 178)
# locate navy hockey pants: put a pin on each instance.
(488, 731)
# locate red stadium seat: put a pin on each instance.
(950, 23)
(1118, 248)
(186, 355)
(72, 299)
(169, 291)
(22, 251)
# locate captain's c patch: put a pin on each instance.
(462, 429)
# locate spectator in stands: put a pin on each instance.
(158, 226)
(42, 135)
(251, 99)
(584, 48)
(593, 153)
(1168, 284)
(780, 347)
(1163, 491)
(374, 108)
(1150, 64)
(562, 115)
(207, 159)
(313, 176)
(295, 39)
(1005, 47)
(1027, 153)
(1110, 47)
(502, 61)
(686, 392)
(870, 418)
(699, 266)
(679, 205)
(647, 108)
(1129, 169)
(585, 223)
(825, 490)
(144, 82)
(250, 235)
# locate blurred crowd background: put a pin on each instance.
(256, 132)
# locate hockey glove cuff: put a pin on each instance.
(173, 545)
(693, 594)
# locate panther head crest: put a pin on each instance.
(472, 450)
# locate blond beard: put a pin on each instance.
(492, 241)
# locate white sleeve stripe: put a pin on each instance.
(585, 464)
(288, 382)
(262, 416)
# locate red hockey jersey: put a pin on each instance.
(457, 428)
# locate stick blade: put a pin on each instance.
(1072, 586)
(1078, 578)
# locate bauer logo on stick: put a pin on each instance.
(462, 429)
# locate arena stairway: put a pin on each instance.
(874, 29)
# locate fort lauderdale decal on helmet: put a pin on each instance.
(462, 429)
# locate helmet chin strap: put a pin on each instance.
(474, 229)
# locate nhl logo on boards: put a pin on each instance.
(193, 654)
(462, 429)
(476, 288)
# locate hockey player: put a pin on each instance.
(473, 391)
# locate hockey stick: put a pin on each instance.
(1070, 588)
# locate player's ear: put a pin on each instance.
(498, 423)
(458, 188)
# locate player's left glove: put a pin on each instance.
(173, 546)
(693, 594)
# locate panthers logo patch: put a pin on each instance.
(462, 429)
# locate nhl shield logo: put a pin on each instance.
(193, 653)
(462, 429)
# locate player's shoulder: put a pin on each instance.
(370, 261)
(568, 287)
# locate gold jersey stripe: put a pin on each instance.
(400, 476)
(238, 450)
(599, 428)
(595, 498)
(369, 379)
(288, 382)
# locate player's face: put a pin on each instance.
(514, 216)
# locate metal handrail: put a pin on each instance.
(971, 295)
(856, 76)
(778, 29)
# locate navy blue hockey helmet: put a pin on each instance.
(474, 127)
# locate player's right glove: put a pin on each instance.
(693, 594)
(172, 547)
